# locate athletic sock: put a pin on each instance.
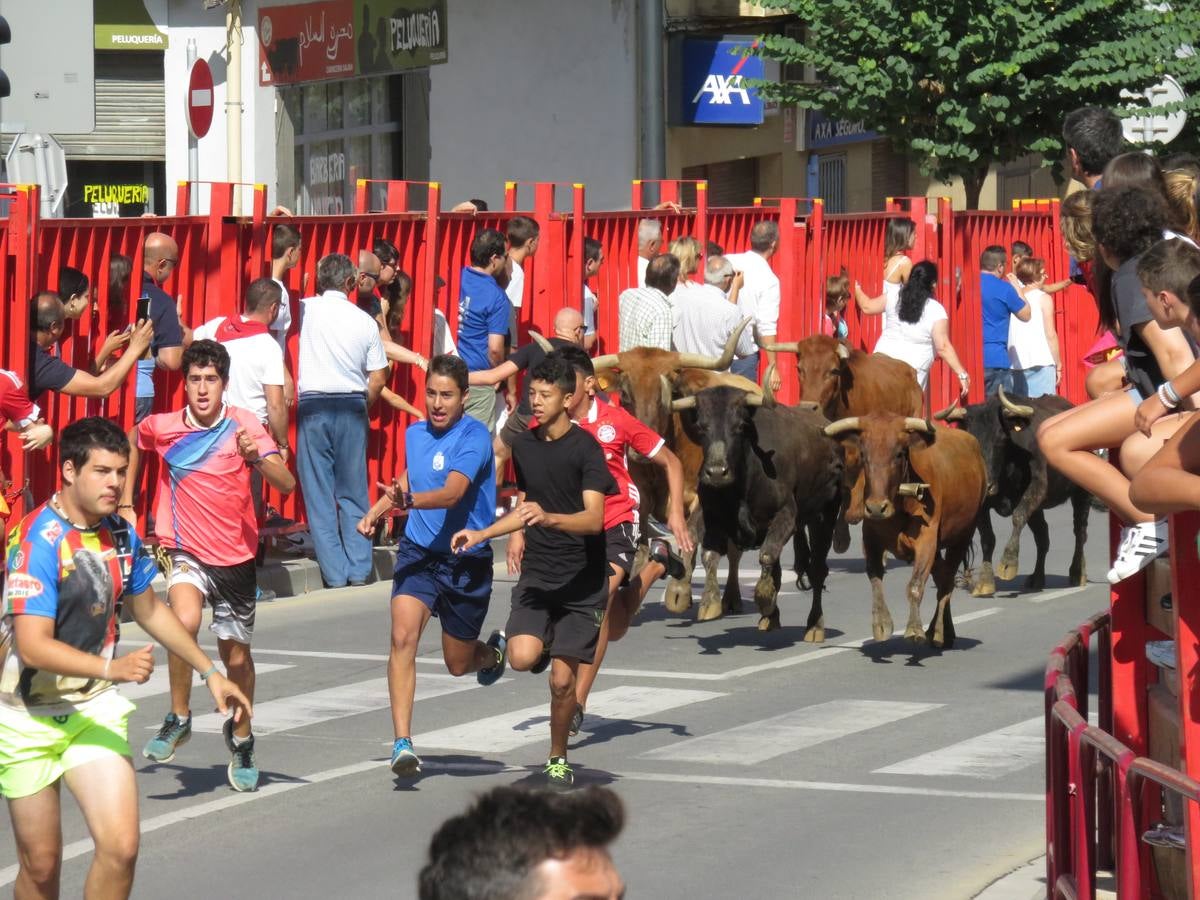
(239, 741)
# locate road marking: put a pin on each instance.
(990, 756)
(508, 731)
(318, 654)
(160, 681)
(1047, 596)
(755, 742)
(315, 707)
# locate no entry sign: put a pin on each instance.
(200, 99)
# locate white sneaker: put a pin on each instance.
(1142, 544)
(1161, 653)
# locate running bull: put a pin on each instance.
(768, 473)
(924, 487)
(1021, 485)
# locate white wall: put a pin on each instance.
(546, 95)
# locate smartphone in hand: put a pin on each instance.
(143, 309)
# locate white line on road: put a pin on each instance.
(1047, 596)
(755, 742)
(160, 683)
(508, 731)
(315, 707)
(991, 756)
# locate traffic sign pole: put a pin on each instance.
(193, 144)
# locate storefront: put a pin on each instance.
(353, 91)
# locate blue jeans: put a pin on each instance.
(1037, 381)
(994, 379)
(747, 366)
(331, 460)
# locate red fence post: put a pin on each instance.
(1185, 572)
(701, 229)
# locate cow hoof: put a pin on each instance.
(815, 635)
(915, 634)
(709, 611)
(841, 537)
(984, 589)
(881, 629)
(1077, 578)
(802, 582)
(732, 604)
(769, 623)
(678, 596)
(1007, 569)
(1035, 584)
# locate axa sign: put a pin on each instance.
(716, 89)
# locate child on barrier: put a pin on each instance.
(837, 295)
(1126, 222)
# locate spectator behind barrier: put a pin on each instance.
(1092, 136)
(515, 844)
(998, 300)
(50, 373)
(522, 236)
(837, 295)
(688, 251)
(649, 238)
(160, 257)
(1033, 350)
(708, 315)
(74, 291)
(759, 296)
(483, 318)
(593, 258)
(645, 312)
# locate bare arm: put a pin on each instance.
(277, 417)
(395, 401)
(1168, 482)
(398, 353)
(495, 349)
(172, 357)
(676, 516)
(1057, 286)
(869, 306)
(589, 341)
(85, 384)
(276, 473)
(502, 372)
(589, 521)
(1170, 348)
(943, 347)
(1051, 332)
(375, 383)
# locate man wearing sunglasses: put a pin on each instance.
(160, 257)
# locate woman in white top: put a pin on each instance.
(898, 240)
(1033, 345)
(687, 250)
(915, 325)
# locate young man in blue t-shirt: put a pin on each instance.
(999, 300)
(483, 317)
(448, 484)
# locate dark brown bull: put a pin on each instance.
(924, 489)
(647, 379)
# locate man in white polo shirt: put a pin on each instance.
(759, 296)
(342, 372)
(707, 317)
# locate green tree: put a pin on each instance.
(962, 84)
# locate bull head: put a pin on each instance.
(884, 441)
(820, 365)
(1018, 414)
(720, 420)
(952, 413)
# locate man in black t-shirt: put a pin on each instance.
(558, 604)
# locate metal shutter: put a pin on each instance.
(130, 110)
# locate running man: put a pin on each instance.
(205, 515)
(449, 483)
(559, 601)
(72, 562)
(617, 432)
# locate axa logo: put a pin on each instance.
(721, 90)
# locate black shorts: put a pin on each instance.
(230, 590)
(514, 425)
(620, 543)
(567, 619)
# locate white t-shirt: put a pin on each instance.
(759, 296)
(339, 345)
(516, 285)
(282, 323)
(1027, 344)
(911, 342)
(706, 320)
(642, 264)
(254, 361)
(443, 342)
(589, 311)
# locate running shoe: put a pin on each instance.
(498, 644)
(173, 734)
(243, 768)
(1161, 653)
(559, 774)
(576, 721)
(657, 529)
(261, 596)
(661, 552)
(405, 761)
(1140, 545)
(1164, 835)
(542, 664)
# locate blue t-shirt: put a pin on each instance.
(431, 456)
(483, 309)
(999, 300)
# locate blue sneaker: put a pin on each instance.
(498, 643)
(174, 733)
(243, 768)
(405, 761)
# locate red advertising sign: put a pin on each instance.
(308, 42)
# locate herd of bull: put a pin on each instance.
(856, 449)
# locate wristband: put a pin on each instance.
(1170, 392)
(406, 500)
(1164, 397)
(125, 506)
(212, 670)
(963, 376)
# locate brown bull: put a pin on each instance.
(647, 379)
(924, 489)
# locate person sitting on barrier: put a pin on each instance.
(1033, 345)
(649, 237)
(707, 317)
(593, 257)
(160, 256)
(1126, 222)
(759, 297)
(645, 312)
(837, 295)
(51, 373)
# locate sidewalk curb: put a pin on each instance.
(1026, 882)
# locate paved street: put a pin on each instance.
(751, 765)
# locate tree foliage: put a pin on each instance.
(961, 84)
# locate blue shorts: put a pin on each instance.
(455, 588)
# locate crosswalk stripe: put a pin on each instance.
(508, 731)
(160, 683)
(989, 756)
(755, 742)
(315, 707)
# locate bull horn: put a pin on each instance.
(683, 403)
(768, 395)
(793, 347)
(842, 351)
(716, 363)
(912, 423)
(842, 426)
(541, 341)
(1018, 410)
(948, 414)
(759, 400)
(666, 391)
(607, 361)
